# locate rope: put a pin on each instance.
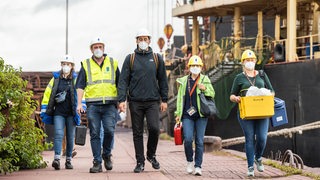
(287, 132)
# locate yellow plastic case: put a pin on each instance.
(256, 107)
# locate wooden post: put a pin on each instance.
(237, 33)
(195, 35)
(213, 31)
(260, 35)
(291, 30)
(277, 28)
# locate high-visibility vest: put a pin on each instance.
(101, 82)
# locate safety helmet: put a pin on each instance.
(67, 58)
(143, 32)
(96, 40)
(248, 54)
(195, 60)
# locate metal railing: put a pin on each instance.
(307, 46)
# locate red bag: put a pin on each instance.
(178, 134)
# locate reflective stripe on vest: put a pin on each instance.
(90, 82)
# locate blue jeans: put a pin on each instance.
(118, 118)
(194, 128)
(61, 122)
(255, 133)
(101, 115)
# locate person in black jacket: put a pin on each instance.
(143, 83)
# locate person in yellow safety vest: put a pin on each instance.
(98, 80)
(58, 107)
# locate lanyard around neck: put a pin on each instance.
(194, 86)
(254, 80)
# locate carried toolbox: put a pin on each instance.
(178, 134)
(256, 107)
(280, 113)
(80, 137)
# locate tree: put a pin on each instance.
(21, 142)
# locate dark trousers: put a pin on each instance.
(150, 110)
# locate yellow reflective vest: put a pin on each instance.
(101, 81)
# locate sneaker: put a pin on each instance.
(56, 164)
(154, 162)
(259, 164)
(68, 164)
(74, 153)
(96, 168)
(108, 162)
(197, 171)
(189, 167)
(139, 168)
(250, 172)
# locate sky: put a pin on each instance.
(33, 32)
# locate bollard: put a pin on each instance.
(212, 143)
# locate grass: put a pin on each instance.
(290, 170)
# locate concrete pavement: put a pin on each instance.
(226, 164)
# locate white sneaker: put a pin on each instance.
(197, 171)
(259, 164)
(189, 167)
(250, 172)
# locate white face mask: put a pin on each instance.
(249, 65)
(98, 53)
(195, 70)
(143, 45)
(66, 69)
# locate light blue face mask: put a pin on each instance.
(195, 70)
(143, 45)
(66, 69)
(249, 65)
(98, 53)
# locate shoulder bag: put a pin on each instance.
(207, 105)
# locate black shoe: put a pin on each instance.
(68, 164)
(108, 162)
(56, 164)
(139, 168)
(154, 162)
(96, 168)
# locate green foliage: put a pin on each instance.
(21, 142)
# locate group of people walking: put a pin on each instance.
(142, 83)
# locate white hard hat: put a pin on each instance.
(143, 32)
(67, 58)
(96, 40)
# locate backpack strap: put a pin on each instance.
(132, 56)
(155, 57)
(262, 75)
(156, 60)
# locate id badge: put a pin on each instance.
(191, 111)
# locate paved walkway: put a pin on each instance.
(221, 165)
